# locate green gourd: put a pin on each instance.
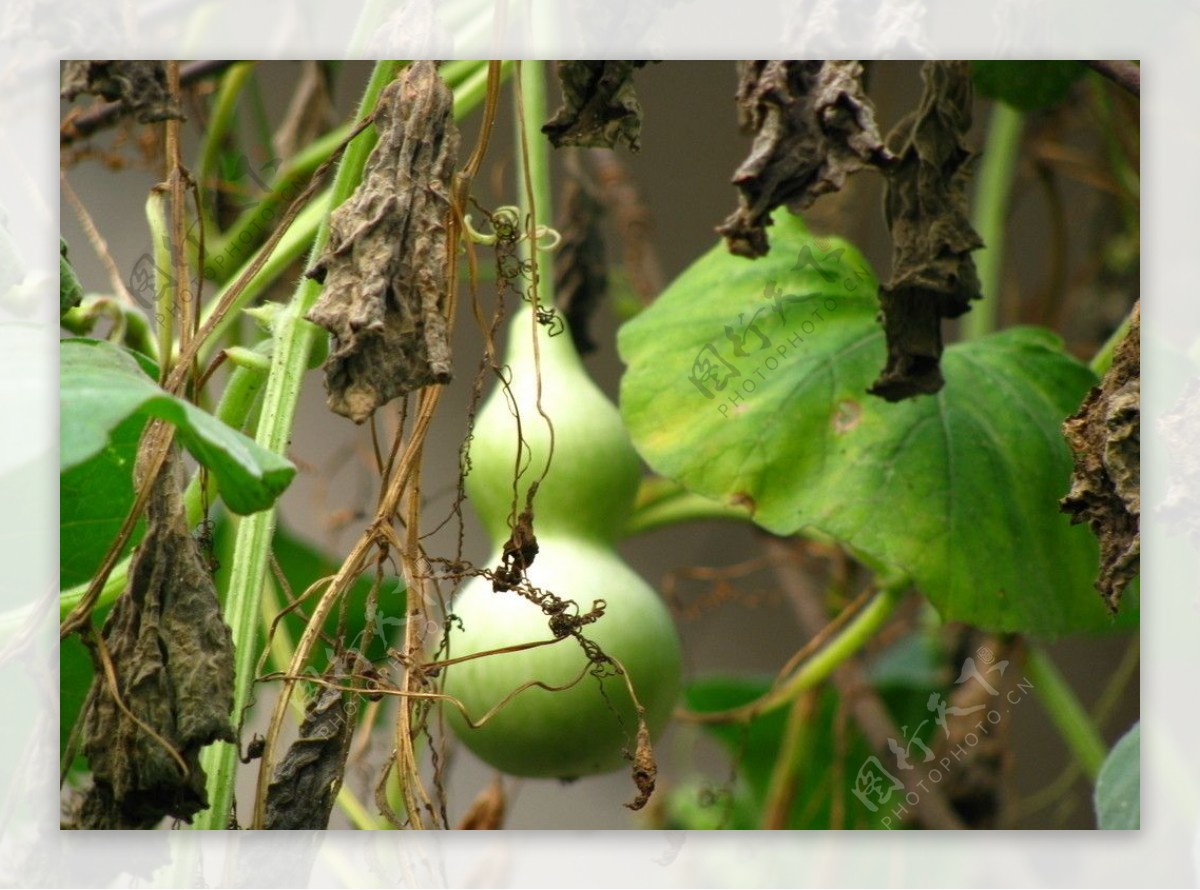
(579, 510)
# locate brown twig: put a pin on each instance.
(80, 125)
(850, 679)
(1124, 74)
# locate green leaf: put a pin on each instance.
(1119, 785)
(74, 679)
(103, 386)
(70, 291)
(958, 490)
(1027, 85)
(94, 498)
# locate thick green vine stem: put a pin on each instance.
(996, 176)
(294, 338)
(220, 120)
(1066, 711)
(534, 190)
(848, 641)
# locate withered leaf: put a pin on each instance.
(385, 266)
(1105, 437)
(172, 654)
(140, 86)
(580, 272)
(306, 782)
(600, 107)
(813, 125)
(645, 768)
(933, 275)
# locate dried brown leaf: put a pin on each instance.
(1105, 437)
(172, 655)
(933, 275)
(580, 271)
(141, 86)
(307, 781)
(813, 126)
(385, 267)
(645, 768)
(600, 107)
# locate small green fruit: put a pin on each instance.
(585, 729)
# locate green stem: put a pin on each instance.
(996, 175)
(1103, 358)
(295, 241)
(252, 226)
(530, 115)
(294, 338)
(852, 637)
(164, 283)
(1066, 712)
(663, 502)
(220, 121)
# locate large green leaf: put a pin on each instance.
(102, 387)
(1119, 785)
(960, 490)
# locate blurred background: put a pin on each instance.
(1071, 262)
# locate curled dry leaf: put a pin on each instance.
(172, 655)
(307, 781)
(645, 768)
(141, 86)
(933, 275)
(385, 267)
(813, 126)
(580, 272)
(600, 107)
(1105, 436)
